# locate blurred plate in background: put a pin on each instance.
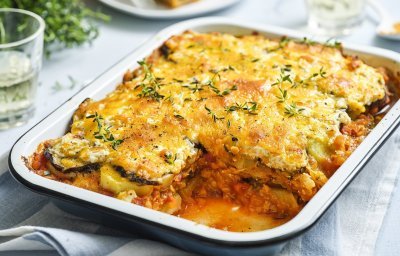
(153, 11)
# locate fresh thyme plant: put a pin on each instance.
(69, 23)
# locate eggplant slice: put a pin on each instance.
(82, 168)
(133, 177)
(95, 167)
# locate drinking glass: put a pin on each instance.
(21, 47)
(334, 17)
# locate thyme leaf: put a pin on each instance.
(150, 83)
(283, 95)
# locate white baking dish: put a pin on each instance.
(178, 231)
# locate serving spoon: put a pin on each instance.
(388, 27)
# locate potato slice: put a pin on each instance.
(111, 180)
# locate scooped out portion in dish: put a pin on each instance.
(234, 132)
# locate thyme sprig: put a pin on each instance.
(321, 73)
(331, 43)
(292, 109)
(150, 83)
(248, 107)
(227, 90)
(197, 86)
(282, 44)
(69, 23)
(283, 76)
(213, 115)
(217, 75)
(103, 132)
(194, 86)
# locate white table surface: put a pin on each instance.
(124, 33)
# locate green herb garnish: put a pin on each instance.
(333, 43)
(282, 44)
(284, 41)
(213, 115)
(283, 77)
(177, 80)
(292, 109)
(248, 107)
(211, 82)
(283, 95)
(169, 158)
(103, 133)
(150, 83)
(321, 73)
(228, 90)
(68, 22)
(194, 86)
(307, 41)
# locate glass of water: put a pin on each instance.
(21, 47)
(334, 17)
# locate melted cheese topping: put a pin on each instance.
(152, 129)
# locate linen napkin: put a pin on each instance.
(30, 224)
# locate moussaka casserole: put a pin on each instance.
(235, 132)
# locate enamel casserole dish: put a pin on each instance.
(177, 231)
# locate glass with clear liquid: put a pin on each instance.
(334, 17)
(21, 46)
